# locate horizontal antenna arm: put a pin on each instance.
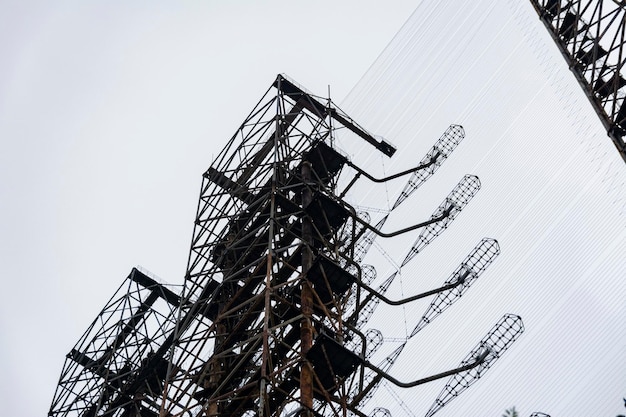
(400, 384)
(368, 226)
(432, 160)
(386, 300)
(360, 172)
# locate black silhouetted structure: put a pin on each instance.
(591, 35)
(271, 318)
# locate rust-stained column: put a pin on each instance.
(268, 304)
(306, 327)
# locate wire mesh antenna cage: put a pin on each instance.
(271, 319)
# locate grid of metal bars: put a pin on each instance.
(115, 364)
(591, 35)
(270, 321)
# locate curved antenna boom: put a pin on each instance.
(365, 242)
(433, 159)
(461, 279)
(476, 361)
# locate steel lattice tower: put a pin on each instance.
(270, 321)
(591, 35)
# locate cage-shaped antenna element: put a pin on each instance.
(453, 288)
(381, 412)
(495, 343)
(459, 281)
(438, 153)
(452, 206)
(470, 269)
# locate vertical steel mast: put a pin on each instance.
(266, 235)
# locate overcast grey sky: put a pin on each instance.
(110, 112)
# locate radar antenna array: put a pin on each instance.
(271, 318)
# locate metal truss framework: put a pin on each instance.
(116, 364)
(591, 35)
(271, 319)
